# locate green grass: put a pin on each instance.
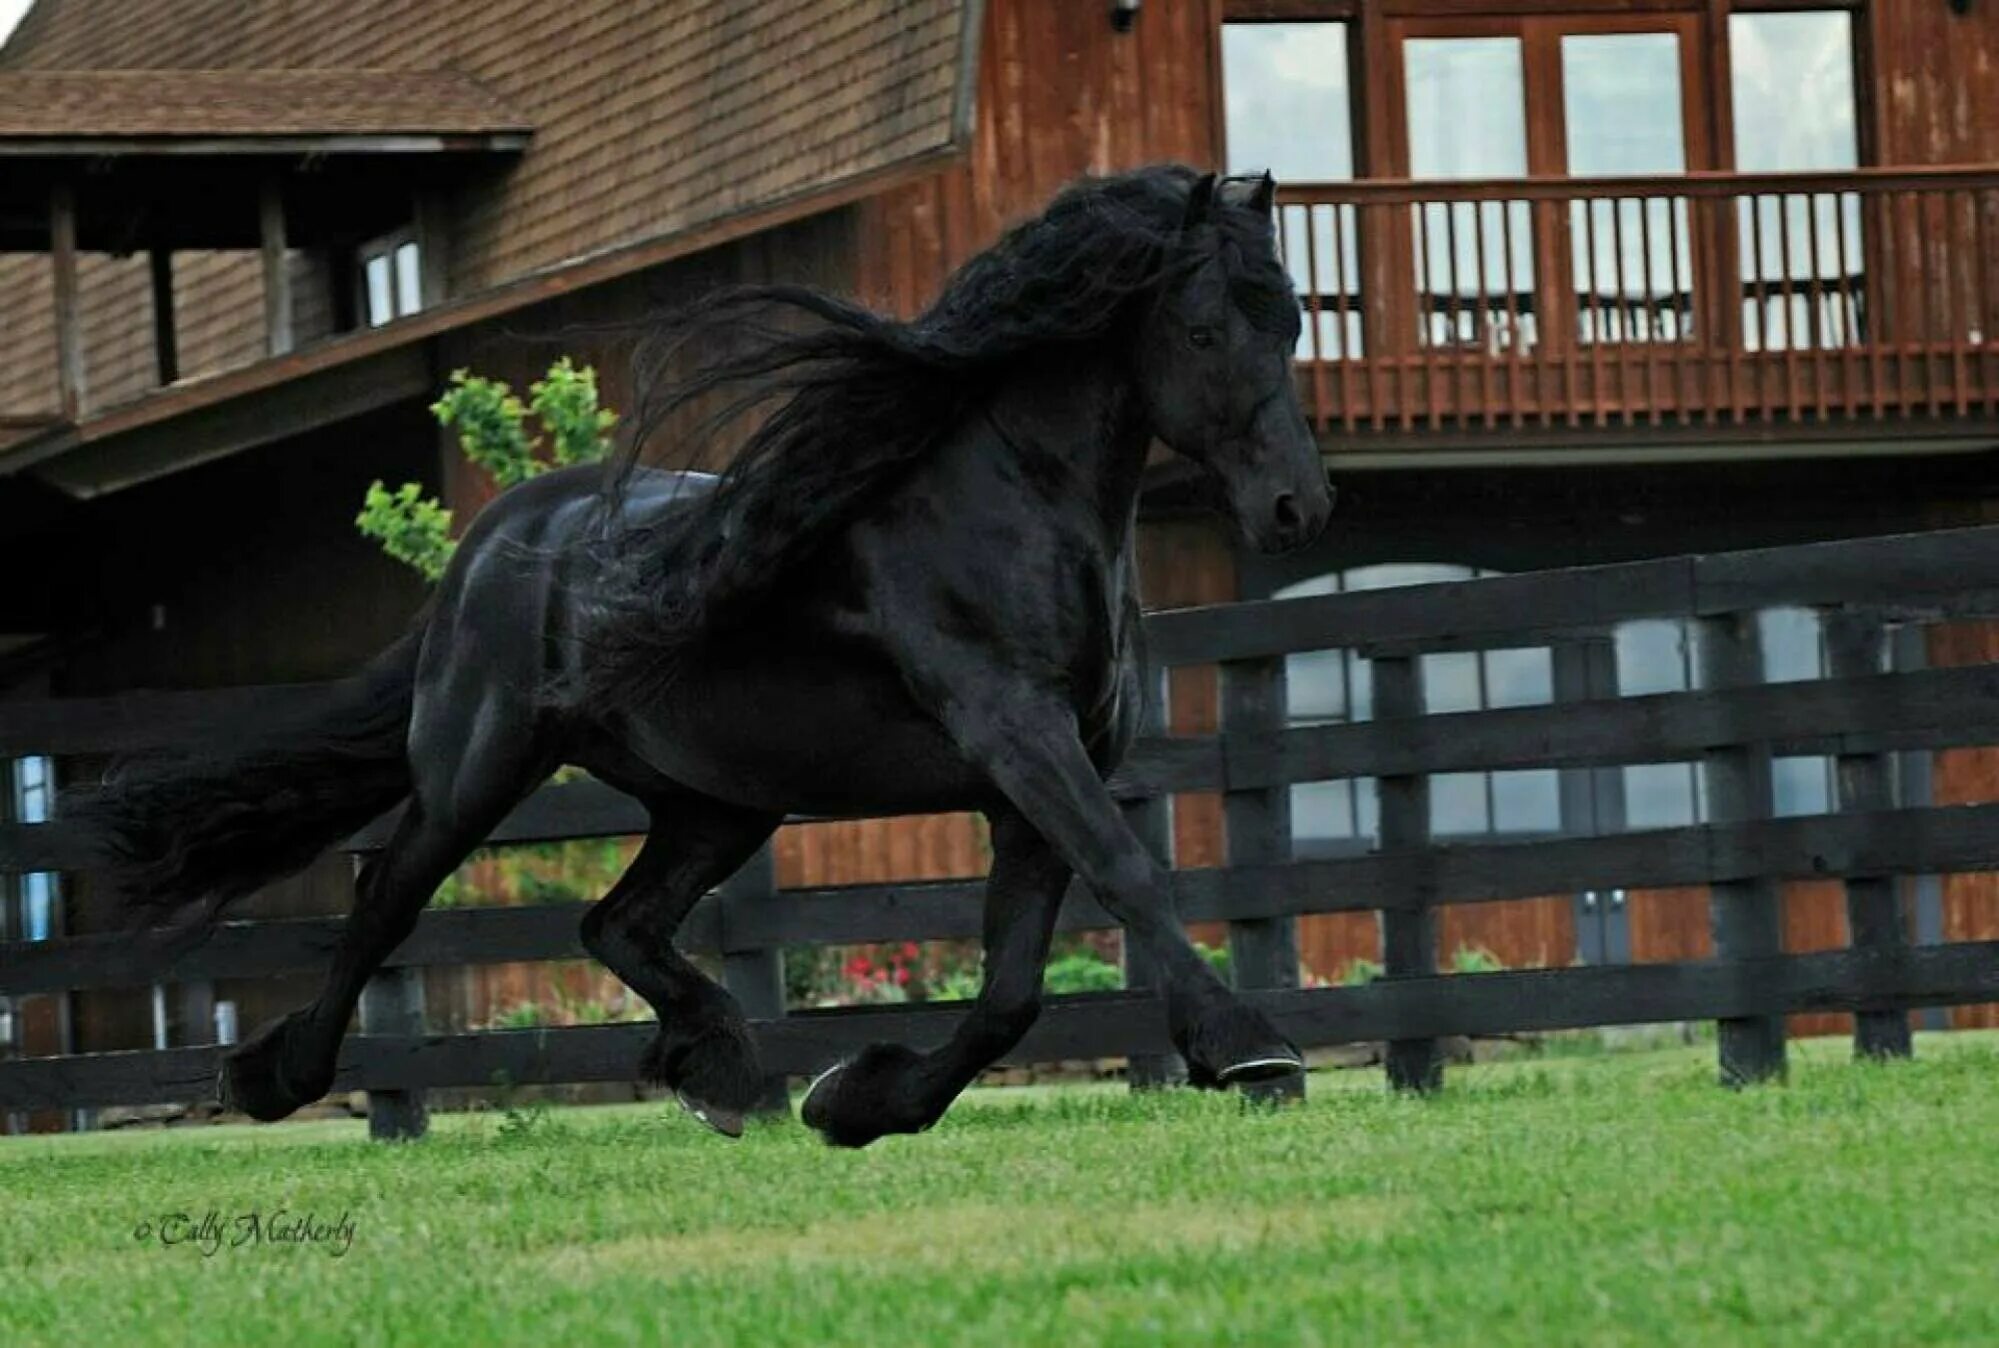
(1614, 1199)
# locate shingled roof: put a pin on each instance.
(653, 124)
(147, 104)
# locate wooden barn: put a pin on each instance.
(1585, 281)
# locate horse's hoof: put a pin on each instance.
(814, 1109)
(252, 1078)
(727, 1122)
(1271, 1067)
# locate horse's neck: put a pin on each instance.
(1076, 416)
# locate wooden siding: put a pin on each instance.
(649, 119)
(1968, 777)
(1060, 94)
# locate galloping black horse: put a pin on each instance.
(912, 590)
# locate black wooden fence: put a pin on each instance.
(1732, 726)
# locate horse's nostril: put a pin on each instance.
(1286, 509)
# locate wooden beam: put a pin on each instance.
(166, 343)
(277, 273)
(1747, 914)
(69, 320)
(1409, 931)
(1855, 646)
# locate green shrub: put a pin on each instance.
(492, 426)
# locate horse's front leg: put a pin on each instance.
(1028, 744)
(889, 1088)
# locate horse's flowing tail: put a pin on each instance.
(212, 828)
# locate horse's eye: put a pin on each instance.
(1203, 337)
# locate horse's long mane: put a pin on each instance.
(842, 400)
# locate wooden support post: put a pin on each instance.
(166, 340)
(433, 248)
(277, 269)
(1408, 935)
(70, 390)
(392, 1003)
(1263, 952)
(1152, 821)
(756, 977)
(1746, 915)
(1855, 646)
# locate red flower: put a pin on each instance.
(901, 974)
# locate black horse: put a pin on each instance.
(912, 590)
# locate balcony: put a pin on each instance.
(1699, 309)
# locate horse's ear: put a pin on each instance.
(1264, 195)
(1199, 201)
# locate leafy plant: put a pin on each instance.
(493, 433)
(1360, 971)
(1475, 959)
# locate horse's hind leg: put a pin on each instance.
(703, 1050)
(889, 1088)
(459, 798)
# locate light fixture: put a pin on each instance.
(1124, 13)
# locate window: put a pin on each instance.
(1325, 687)
(391, 278)
(1657, 657)
(33, 801)
(1287, 107)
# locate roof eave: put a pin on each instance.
(377, 143)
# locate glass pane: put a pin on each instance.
(1792, 81)
(1801, 785)
(37, 906)
(1321, 811)
(1457, 804)
(1621, 104)
(1451, 682)
(381, 291)
(409, 280)
(1651, 658)
(1527, 802)
(1520, 678)
(1659, 795)
(1315, 686)
(1790, 641)
(1467, 107)
(1286, 102)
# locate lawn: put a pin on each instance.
(1620, 1198)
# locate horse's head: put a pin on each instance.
(1214, 366)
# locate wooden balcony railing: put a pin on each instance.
(1790, 303)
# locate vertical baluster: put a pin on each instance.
(1488, 351)
(1454, 352)
(1650, 336)
(1921, 320)
(1592, 303)
(1515, 336)
(1845, 306)
(1344, 336)
(1815, 290)
(1686, 376)
(1881, 301)
(1792, 396)
(1622, 353)
(1762, 293)
(1319, 354)
(1957, 292)
(1981, 210)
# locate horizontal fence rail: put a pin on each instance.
(1710, 299)
(1856, 718)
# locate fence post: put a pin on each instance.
(1263, 952)
(1152, 820)
(392, 1003)
(756, 977)
(1855, 645)
(1745, 915)
(1408, 935)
